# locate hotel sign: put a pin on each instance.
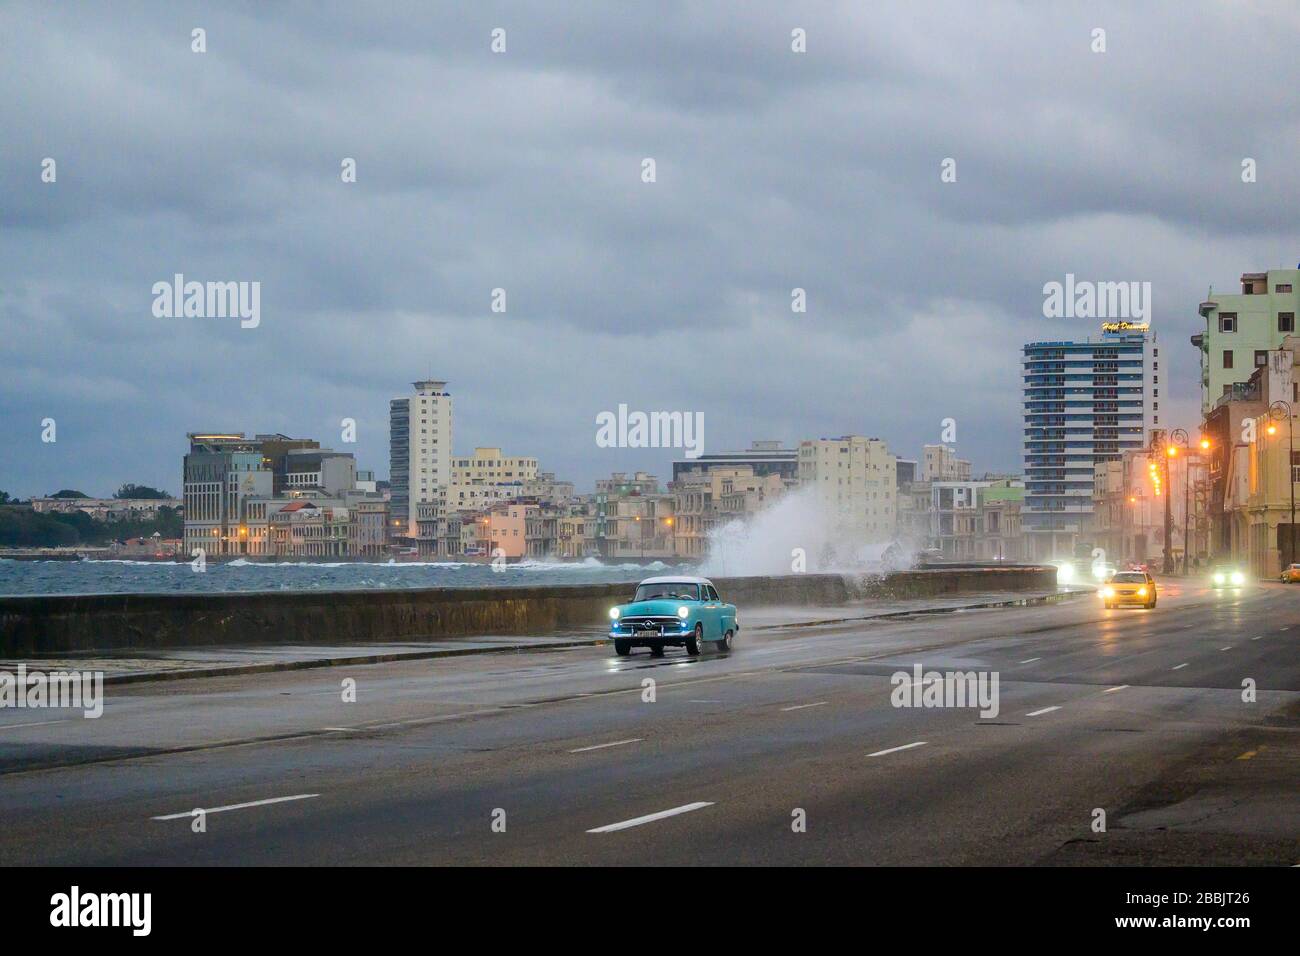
(1125, 326)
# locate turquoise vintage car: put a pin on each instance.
(675, 611)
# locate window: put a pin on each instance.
(1261, 358)
(1282, 288)
(1227, 321)
(1227, 358)
(1286, 321)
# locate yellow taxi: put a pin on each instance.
(1291, 575)
(1130, 587)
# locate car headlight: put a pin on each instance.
(1238, 577)
(1142, 592)
(683, 612)
(1107, 592)
(1218, 579)
(1064, 574)
(613, 613)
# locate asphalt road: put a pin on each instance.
(558, 757)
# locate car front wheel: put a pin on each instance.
(695, 643)
(622, 648)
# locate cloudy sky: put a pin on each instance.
(522, 170)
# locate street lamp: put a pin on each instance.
(1275, 410)
(1176, 439)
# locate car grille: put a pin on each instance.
(647, 625)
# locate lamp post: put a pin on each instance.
(1175, 439)
(1276, 410)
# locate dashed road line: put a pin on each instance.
(239, 806)
(894, 750)
(1031, 660)
(651, 817)
(1045, 710)
(35, 723)
(612, 743)
(1111, 690)
(1179, 667)
(820, 703)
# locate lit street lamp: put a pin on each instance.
(1175, 440)
(1275, 411)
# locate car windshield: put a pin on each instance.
(1130, 577)
(669, 590)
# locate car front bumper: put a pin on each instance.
(1133, 598)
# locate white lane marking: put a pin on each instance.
(1179, 667)
(651, 817)
(1111, 690)
(1257, 638)
(710, 701)
(239, 806)
(612, 743)
(347, 730)
(35, 723)
(1031, 660)
(820, 703)
(1045, 710)
(894, 750)
(1228, 648)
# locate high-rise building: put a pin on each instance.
(1085, 402)
(1241, 329)
(855, 479)
(419, 452)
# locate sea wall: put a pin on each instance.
(36, 626)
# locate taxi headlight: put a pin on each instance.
(683, 612)
(613, 613)
(1142, 592)
(1238, 577)
(1218, 579)
(1107, 592)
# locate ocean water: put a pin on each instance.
(148, 577)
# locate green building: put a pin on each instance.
(1241, 328)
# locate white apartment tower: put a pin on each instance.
(419, 452)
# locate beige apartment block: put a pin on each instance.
(855, 480)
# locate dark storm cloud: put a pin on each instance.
(522, 171)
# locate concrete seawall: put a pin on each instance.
(37, 626)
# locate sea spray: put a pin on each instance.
(771, 542)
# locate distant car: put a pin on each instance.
(1130, 587)
(1291, 575)
(1103, 571)
(676, 611)
(1227, 576)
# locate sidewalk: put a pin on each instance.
(132, 666)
